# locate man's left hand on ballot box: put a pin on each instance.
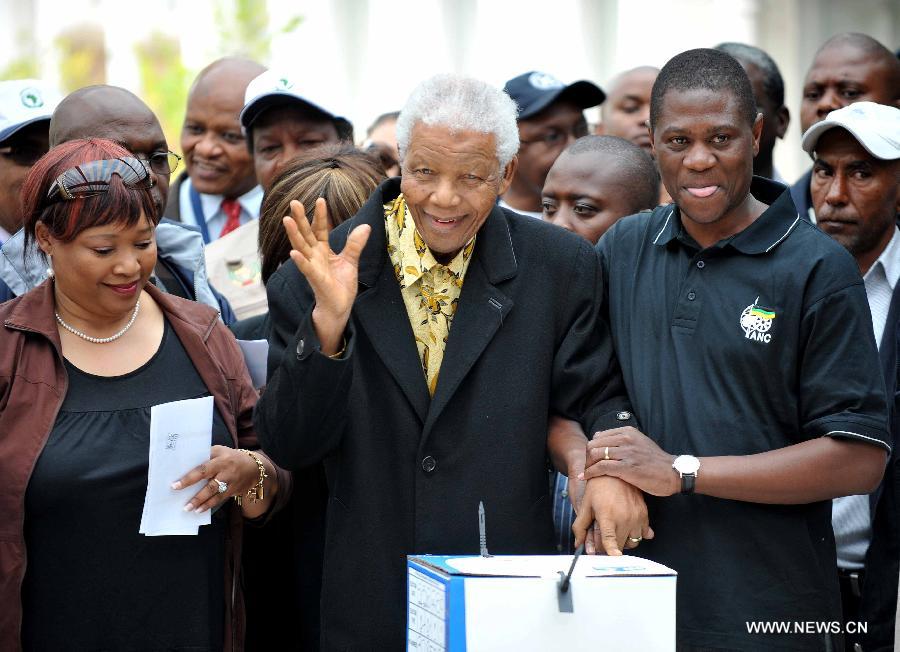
(618, 513)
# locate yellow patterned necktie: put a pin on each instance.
(430, 290)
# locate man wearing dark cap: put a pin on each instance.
(746, 346)
(847, 68)
(218, 191)
(25, 109)
(550, 117)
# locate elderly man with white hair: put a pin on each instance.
(423, 360)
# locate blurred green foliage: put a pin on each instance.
(164, 82)
(24, 66)
(20, 68)
(243, 27)
(82, 57)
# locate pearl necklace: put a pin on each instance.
(100, 340)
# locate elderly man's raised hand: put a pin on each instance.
(332, 277)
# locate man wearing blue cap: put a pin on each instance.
(25, 109)
(550, 118)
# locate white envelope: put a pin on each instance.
(180, 439)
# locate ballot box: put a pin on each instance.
(517, 604)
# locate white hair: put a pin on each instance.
(461, 104)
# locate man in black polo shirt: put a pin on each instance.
(746, 345)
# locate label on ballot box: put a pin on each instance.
(515, 603)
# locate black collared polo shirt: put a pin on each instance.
(758, 342)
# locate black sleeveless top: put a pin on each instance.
(92, 581)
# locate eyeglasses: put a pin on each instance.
(555, 137)
(93, 178)
(162, 162)
(24, 155)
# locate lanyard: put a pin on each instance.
(197, 206)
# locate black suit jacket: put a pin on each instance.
(801, 195)
(405, 471)
(878, 605)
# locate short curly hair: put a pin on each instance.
(706, 69)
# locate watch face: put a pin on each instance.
(686, 464)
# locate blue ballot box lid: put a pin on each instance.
(539, 566)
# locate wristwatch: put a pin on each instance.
(687, 467)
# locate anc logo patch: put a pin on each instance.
(756, 322)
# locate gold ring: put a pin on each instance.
(635, 539)
(606, 453)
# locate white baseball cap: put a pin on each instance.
(875, 126)
(23, 102)
(271, 89)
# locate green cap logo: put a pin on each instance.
(31, 98)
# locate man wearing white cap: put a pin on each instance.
(281, 123)
(855, 190)
(278, 124)
(25, 109)
(284, 559)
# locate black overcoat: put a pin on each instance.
(406, 471)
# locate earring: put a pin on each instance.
(50, 272)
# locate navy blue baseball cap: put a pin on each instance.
(534, 91)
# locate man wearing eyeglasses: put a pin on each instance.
(119, 115)
(550, 118)
(25, 109)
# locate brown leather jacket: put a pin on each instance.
(33, 384)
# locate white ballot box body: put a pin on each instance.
(513, 603)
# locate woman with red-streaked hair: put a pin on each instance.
(84, 357)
